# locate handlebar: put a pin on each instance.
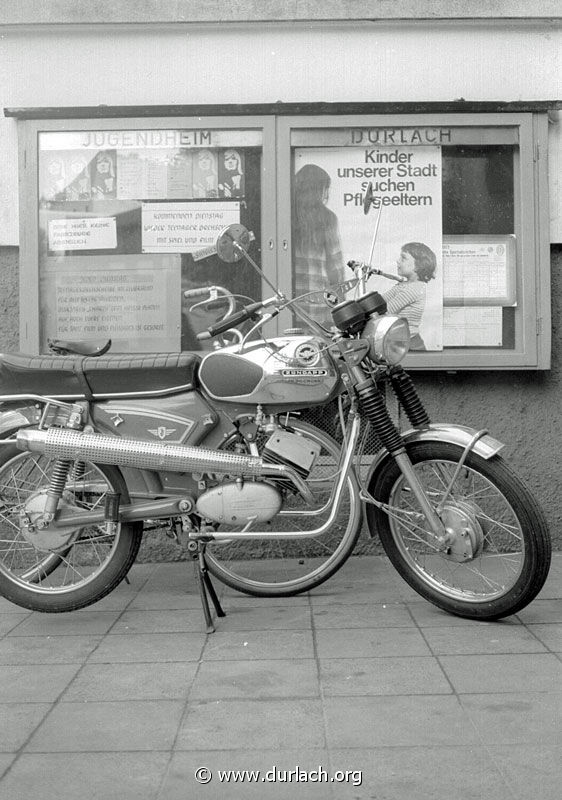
(213, 294)
(368, 270)
(249, 312)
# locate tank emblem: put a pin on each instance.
(307, 354)
(161, 432)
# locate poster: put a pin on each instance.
(185, 227)
(406, 209)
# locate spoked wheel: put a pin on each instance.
(498, 549)
(48, 570)
(281, 567)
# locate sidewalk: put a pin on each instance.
(127, 699)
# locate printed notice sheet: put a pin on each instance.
(88, 233)
(135, 304)
(479, 270)
(185, 227)
(472, 326)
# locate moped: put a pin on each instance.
(212, 450)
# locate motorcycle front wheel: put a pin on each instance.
(498, 552)
(276, 567)
(41, 573)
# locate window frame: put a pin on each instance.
(29, 138)
(532, 351)
(533, 344)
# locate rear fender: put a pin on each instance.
(13, 419)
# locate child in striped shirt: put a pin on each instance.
(416, 266)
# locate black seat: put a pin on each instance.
(83, 377)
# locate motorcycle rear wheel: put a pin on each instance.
(78, 574)
(274, 567)
(500, 550)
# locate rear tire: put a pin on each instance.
(78, 574)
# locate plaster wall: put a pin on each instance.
(334, 61)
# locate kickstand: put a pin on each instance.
(206, 588)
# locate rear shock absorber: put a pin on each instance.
(404, 389)
(57, 483)
(373, 406)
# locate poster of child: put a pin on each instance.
(231, 174)
(205, 174)
(103, 175)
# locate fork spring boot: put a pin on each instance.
(373, 406)
(407, 395)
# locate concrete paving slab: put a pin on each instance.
(158, 621)
(382, 676)
(171, 598)
(511, 718)
(243, 775)
(19, 720)
(6, 760)
(531, 770)
(149, 647)
(549, 634)
(108, 726)
(423, 773)
(397, 721)
(85, 621)
(516, 672)
(133, 681)
(427, 615)
(35, 683)
(256, 645)
(487, 638)
(47, 649)
(267, 617)
(74, 776)
(542, 611)
(266, 678)
(8, 622)
(365, 615)
(371, 642)
(245, 724)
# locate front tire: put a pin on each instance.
(500, 550)
(93, 563)
(274, 567)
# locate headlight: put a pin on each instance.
(389, 337)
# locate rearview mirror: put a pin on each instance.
(233, 243)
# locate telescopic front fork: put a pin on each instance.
(373, 407)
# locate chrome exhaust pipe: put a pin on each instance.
(69, 445)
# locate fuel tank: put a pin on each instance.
(283, 370)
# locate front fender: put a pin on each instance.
(461, 435)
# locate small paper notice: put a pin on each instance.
(472, 326)
(479, 270)
(87, 233)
